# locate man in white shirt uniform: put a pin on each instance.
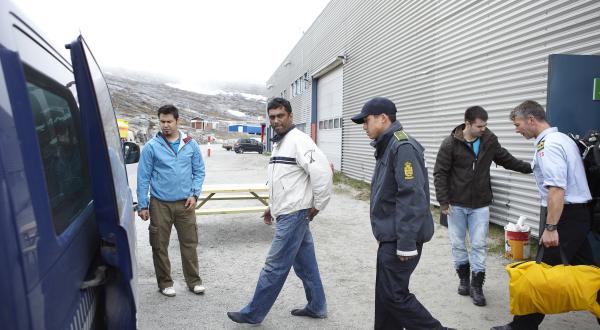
(565, 217)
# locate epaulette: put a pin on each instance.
(187, 139)
(400, 135)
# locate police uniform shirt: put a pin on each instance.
(557, 163)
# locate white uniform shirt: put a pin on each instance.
(557, 163)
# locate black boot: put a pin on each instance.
(477, 288)
(464, 272)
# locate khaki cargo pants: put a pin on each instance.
(163, 215)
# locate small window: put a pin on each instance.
(330, 123)
(326, 124)
(321, 124)
(336, 123)
(306, 80)
(61, 147)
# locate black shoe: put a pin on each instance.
(502, 327)
(464, 275)
(476, 290)
(306, 312)
(238, 318)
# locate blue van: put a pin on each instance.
(67, 235)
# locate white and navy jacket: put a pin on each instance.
(299, 175)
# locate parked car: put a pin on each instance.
(228, 144)
(67, 226)
(243, 145)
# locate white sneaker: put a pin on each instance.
(198, 289)
(169, 292)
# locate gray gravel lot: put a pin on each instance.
(232, 250)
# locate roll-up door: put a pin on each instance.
(329, 115)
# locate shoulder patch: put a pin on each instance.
(187, 139)
(540, 146)
(408, 171)
(400, 135)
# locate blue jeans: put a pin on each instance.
(476, 221)
(292, 246)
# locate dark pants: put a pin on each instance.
(395, 306)
(573, 228)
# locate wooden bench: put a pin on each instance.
(232, 192)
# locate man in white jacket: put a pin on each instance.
(300, 183)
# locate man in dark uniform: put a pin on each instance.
(400, 216)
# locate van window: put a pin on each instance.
(61, 147)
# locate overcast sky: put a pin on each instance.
(195, 41)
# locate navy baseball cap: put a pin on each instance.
(375, 106)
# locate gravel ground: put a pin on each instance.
(232, 250)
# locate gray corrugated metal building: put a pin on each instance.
(433, 59)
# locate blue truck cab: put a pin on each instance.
(67, 234)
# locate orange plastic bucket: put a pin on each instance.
(516, 244)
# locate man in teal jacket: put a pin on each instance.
(171, 167)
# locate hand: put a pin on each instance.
(405, 258)
(267, 218)
(549, 238)
(144, 214)
(445, 209)
(312, 213)
(190, 203)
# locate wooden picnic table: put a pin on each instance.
(232, 192)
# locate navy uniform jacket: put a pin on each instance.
(400, 192)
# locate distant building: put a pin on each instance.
(204, 124)
(245, 128)
(223, 126)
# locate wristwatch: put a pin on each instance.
(550, 227)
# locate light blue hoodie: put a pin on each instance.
(171, 176)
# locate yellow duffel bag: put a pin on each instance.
(536, 287)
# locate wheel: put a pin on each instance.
(260, 151)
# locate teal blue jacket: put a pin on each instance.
(169, 175)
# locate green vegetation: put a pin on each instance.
(359, 189)
(496, 239)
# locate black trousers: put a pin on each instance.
(395, 306)
(573, 228)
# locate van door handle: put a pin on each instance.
(99, 278)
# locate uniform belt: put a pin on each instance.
(577, 206)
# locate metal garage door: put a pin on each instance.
(329, 115)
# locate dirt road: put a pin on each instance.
(232, 250)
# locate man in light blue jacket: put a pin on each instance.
(171, 167)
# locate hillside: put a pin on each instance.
(136, 99)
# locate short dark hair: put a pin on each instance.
(169, 109)
(391, 117)
(278, 102)
(475, 112)
(527, 108)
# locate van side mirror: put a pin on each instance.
(131, 151)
